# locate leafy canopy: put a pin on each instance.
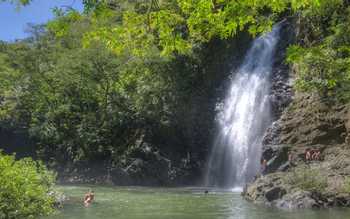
(175, 26)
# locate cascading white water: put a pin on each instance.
(245, 115)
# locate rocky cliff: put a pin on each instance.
(308, 123)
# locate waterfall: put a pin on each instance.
(243, 118)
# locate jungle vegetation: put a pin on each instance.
(87, 86)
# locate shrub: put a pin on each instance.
(24, 188)
(308, 179)
(346, 186)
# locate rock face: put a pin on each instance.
(297, 200)
(280, 190)
(281, 85)
(277, 157)
(266, 189)
(309, 122)
(275, 193)
(142, 166)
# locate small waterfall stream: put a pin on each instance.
(245, 115)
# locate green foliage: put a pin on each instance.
(322, 63)
(346, 186)
(87, 103)
(175, 27)
(18, 2)
(318, 68)
(308, 179)
(24, 188)
(207, 19)
(60, 26)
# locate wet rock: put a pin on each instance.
(272, 134)
(59, 198)
(276, 156)
(342, 200)
(281, 91)
(265, 189)
(120, 177)
(275, 193)
(281, 86)
(297, 200)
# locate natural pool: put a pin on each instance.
(175, 203)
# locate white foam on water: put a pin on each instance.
(237, 189)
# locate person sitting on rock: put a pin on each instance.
(316, 154)
(263, 166)
(286, 165)
(290, 158)
(307, 155)
(89, 197)
(312, 151)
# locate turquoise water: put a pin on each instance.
(175, 203)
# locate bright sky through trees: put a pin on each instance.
(13, 21)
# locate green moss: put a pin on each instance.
(307, 178)
(346, 186)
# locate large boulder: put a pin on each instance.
(277, 157)
(266, 189)
(275, 193)
(282, 190)
(297, 200)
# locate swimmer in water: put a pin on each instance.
(89, 197)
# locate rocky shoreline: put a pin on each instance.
(309, 122)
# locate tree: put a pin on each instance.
(322, 59)
(18, 2)
(24, 188)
